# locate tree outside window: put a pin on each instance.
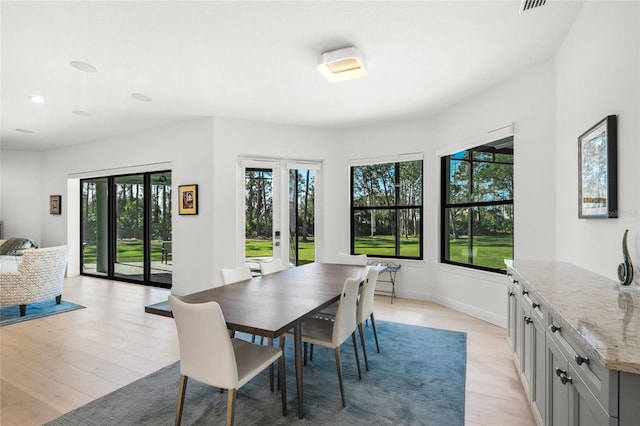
(477, 206)
(386, 210)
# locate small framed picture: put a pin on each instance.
(598, 170)
(188, 199)
(55, 204)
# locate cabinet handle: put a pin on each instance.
(511, 294)
(581, 360)
(524, 292)
(535, 305)
(515, 281)
(527, 320)
(563, 376)
(554, 328)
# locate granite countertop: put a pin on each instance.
(602, 314)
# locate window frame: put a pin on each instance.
(396, 207)
(495, 147)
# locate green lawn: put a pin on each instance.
(264, 248)
(488, 251)
(384, 245)
(128, 251)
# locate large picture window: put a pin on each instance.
(386, 209)
(477, 206)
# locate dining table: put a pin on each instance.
(270, 305)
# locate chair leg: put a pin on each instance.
(355, 351)
(339, 368)
(231, 406)
(58, 299)
(23, 310)
(364, 348)
(375, 333)
(282, 383)
(306, 348)
(182, 387)
(270, 343)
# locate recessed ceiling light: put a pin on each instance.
(140, 97)
(83, 66)
(36, 99)
(82, 113)
(24, 131)
(342, 64)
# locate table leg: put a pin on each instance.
(297, 349)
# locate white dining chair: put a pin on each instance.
(364, 310)
(352, 259)
(332, 334)
(233, 275)
(275, 265)
(210, 356)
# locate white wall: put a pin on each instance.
(235, 138)
(527, 101)
(598, 74)
(188, 150)
(24, 203)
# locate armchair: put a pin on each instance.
(39, 277)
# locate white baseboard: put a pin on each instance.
(474, 311)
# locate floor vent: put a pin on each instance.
(531, 4)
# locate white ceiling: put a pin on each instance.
(254, 60)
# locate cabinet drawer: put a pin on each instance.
(532, 300)
(600, 381)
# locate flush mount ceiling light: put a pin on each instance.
(82, 113)
(140, 97)
(24, 131)
(83, 66)
(342, 64)
(36, 99)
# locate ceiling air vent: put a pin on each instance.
(531, 4)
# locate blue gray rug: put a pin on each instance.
(417, 379)
(11, 314)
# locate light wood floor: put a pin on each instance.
(52, 365)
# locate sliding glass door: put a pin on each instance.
(126, 227)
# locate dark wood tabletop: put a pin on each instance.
(272, 304)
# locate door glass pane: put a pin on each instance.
(258, 216)
(129, 215)
(95, 226)
(160, 228)
(301, 216)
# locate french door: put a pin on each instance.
(279, 211)
(126, 228)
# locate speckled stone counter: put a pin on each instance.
(604, 316)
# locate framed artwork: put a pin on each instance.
(55, 204)
(188, 199)
(598, 170)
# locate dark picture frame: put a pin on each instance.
(188, 199)
(598, 170)
(55, 204)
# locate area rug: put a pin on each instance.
(11, 314)
(418, 378)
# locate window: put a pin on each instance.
(386, 209)
(477, 206)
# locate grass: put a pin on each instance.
(264, 248)
(488, 251)
(127, 251)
